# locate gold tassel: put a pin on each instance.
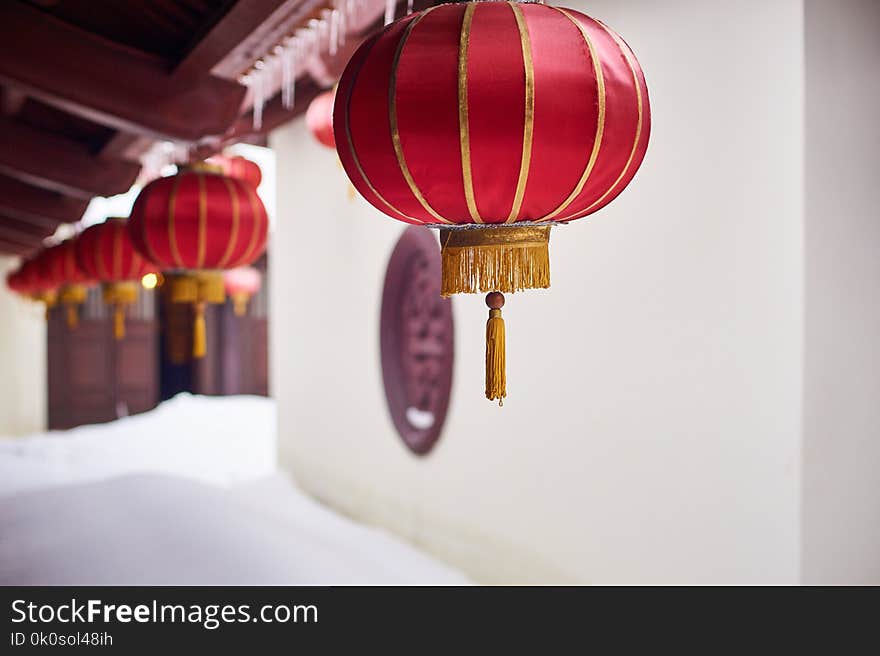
(240, 303)
(72, 317)
(197, 288)
(119, 321)
(199, 330)
(72, 296)
(496, 375)
(504, 259)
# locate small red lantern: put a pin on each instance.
(195, 224)
(72, 282)
(238, 167)
(492, 121)
(319, 118)
(241, 283)
(43, 273)
(104, 252)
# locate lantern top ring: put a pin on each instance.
(490, 226)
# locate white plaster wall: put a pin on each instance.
(841, 479)
(652, 429)
(22, 361)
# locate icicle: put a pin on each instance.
(342, 30)
(288, 74)
(389, 11)
(334, 32)
(257, 84)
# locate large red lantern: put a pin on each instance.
(492, 121)
(195, 224)
(105, 253)
(319, 118)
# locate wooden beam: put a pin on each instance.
(240, 55)
(105, 82)
(38, 206)
(42, 159)
(15, 248)
(127, 146)
(237, 25)
(11, 101)
(10, 236)
(26, 228)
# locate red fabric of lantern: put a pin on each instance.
(319, 118)
(492, 112)
(105, 253)
(73, 281)
(239, 168)
(197, 220)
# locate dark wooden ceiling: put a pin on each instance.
(164, 28)
(88, 86)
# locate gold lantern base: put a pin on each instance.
(197, 288)
(70, 297)
(494, 258)
(119, 295)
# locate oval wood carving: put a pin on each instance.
(417, 340)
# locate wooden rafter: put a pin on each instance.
(108, 83)
(44, 160)
(38, 206)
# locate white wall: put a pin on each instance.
(22, 361)
(841, 480)
(652, 434)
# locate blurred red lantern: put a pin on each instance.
(239, 168)
(43, 274)
(194, 224)
(72, 283)
(319, 118)
(26, 278)
(105, 253)
(241, 283)
(500, 117)
(17, 281)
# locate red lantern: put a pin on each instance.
(501, 117)
(104, 252)
(17, 281)
(44, 275)
(319, 118)
(72, 282)
(238, 167)
(26, 278)
(241, 284)
(194, 224)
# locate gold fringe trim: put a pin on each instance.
(47, 296)
(502, 259)
(73, 294)
(197, 287)
(119, 293)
